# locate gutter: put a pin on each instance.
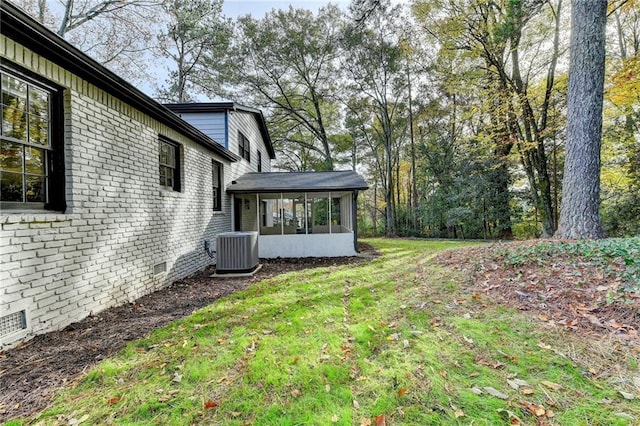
(17, 25)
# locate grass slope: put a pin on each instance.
(393, 341)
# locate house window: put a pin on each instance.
(244, 147)
(31, 160)
(216, 179)
(259, 161)
(169, 165)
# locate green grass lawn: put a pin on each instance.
(395, 340)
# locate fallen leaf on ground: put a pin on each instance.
(476, 390)
(535, 409)
(494, 392)
(365, 422)
(114, 400)
(551, 385)
(543, 345)
(75, 422)
(513, 419)
(458, 413)
(497, 365)
(627, 395)
(210, 404)
(296, 393)
(164, 398)
(380, 420)
(402, 391)
(516, 383)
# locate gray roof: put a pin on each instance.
(297, 182)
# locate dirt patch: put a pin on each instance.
(587, 299)
(32, 373)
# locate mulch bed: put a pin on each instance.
(32, 373)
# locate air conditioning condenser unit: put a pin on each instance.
(237, 252)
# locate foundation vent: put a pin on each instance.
(13, 322)
(159, 268)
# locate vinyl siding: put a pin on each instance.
(211, 124)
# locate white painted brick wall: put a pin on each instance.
(119, 223)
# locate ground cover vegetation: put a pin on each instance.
(401, 338)
(456, 111)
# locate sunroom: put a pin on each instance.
(299, 214)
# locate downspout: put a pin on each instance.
(354, 218)
(233, 212)
(258, 213)
(226, 129)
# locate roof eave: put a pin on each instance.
(231, 190)
(17, 25)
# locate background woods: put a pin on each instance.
(456, 111)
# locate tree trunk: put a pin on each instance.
(414, 188)
(579, 213)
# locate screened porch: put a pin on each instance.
(312, 219)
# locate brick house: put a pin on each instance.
(105, 194)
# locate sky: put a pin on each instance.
(257, 8)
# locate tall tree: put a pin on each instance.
(579, 214)
(504, 39)
(375, 65)
(620, 176)
(116, 33)
(286, 63)
(196, 40)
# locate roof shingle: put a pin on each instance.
(297, 182)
